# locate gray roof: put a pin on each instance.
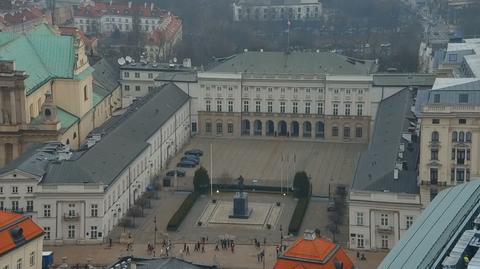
(436, 230)
(33, 161)
(276, 2)
(403, 79)
(375, 167)
(106, 75)
(177, 76)
(115, 151)
(256, 62)
(450, 95)
(168, 263)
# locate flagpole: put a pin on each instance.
(288, 35)
(281, 175)
(211, 170)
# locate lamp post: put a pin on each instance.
(155, 231)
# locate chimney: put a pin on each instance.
(151, 6)
(111, 2)
(309, 235)
(129, 4)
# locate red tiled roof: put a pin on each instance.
(20, 16)
(103, 8)
(74, 31)
(313, 254)
(9, 221)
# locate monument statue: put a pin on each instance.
(240, 202)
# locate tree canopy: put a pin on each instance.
(201, 180)
(301, 185)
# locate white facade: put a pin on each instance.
(271, 10)
(27, 256)
(18, 192)
(378, 220)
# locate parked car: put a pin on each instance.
(180, 173)
(186, 164)
(195, 152)
(189, 158)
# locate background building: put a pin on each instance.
(384, 197)
(274, 10)
(21, 242)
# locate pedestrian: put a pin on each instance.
(258, 257)
(264, 241)
(184, 247)
(216, 247)
(188, 250)
(277, 249)
(110, 242)
(358, 255)
(203, 248)
(363, 258)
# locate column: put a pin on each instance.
(264, 128)
(13, 115)
(300, 129)
(372, 233)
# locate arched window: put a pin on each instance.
(454, 136)
(468, 137)
(74, 135)
(435, 136)
(461, 136)
(85, 93)
(68, 141)
(334, 131)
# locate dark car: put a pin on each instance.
(186, 164)
(180, 173)
(190, 158)
(195, 152)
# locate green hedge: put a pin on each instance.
(182, 211)
(298, 215)
(234, 187)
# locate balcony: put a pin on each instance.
(384, 229)
(434, 144)
(68, 217)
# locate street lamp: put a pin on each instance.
(155, 231)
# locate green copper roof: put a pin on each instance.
(66, 119)
(41, 52)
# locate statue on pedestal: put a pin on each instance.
(240, 202)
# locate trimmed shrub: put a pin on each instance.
(201, 180)
(301, 185)
(182, 211)
(298, 214)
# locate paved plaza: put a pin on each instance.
(326, 163)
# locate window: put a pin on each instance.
(461, 136)
(245, 106)
(94, 210)
(320, 108)
(452, 174)
(257, 89)
(436, 98)
(150, 75)
(137, 88)
(270, 107)
(334, 131)
(230, 89)
(454, 136)
(384, 241)
(29, 206)
(126, 74)
(294, 107)
(434, 155)
(460, 175)
(219, 88)
(126, 87)
(358, 132)
(282, 107)
(347, 109)
(452, 57)
(307, 108)
(335, 109)
(32, 258)
(208, 127)
(468, 137)
(137, 75)
(85, 93)
(207, 105)
(467, 174)
(346, 132)
(14, 189)
(1, 205)
(463, 98)
(359, 109)
(435, 136)
(46, 211)
(230, 106)
(409, 221)
(230, 128)
(219, 128)
(194, 127)
(295, 89)
(360, 218)
(257, 106)
(71, 231)
(462, 121)
(150, 88)
(19, 264)
(282, 89)
(15, 205)
(1, 189)
(433, 176)
(435, 121)
(384, 219)
(360, 241)
(219, 105)
(468, 155)
(453, 154)
(93, 232)
(46, 234)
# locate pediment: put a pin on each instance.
(17, 175)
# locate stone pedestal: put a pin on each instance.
(240, 206)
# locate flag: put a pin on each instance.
(294, 157)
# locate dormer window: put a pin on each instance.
(463, 98)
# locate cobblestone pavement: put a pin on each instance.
(326, 163)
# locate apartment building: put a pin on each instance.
(384, 199)
(277, 10)
(78, 197)
(449, 135)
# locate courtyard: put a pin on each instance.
(274, 162)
